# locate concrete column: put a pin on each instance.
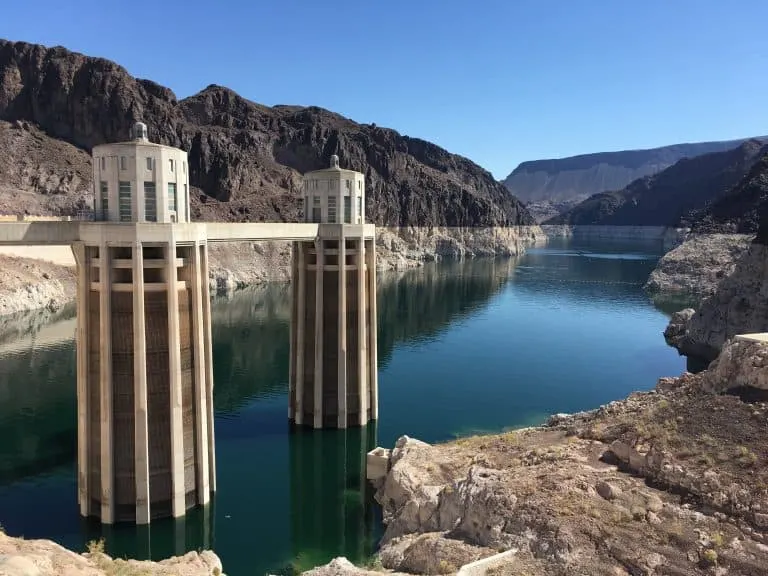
(141, 427)
(362, 339)
(200, 376)
(207, 345)
(83, 289)
(292, 334)
(373, 329)
(301, 290)
(318, 388)
(105, 368)
(174, 365)
(342, 344)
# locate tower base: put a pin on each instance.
(333, 374)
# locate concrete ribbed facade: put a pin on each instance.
(145, 382)
(333, 375)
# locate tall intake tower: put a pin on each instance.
(333, 373)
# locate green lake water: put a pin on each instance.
(469, 347)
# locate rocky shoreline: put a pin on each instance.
(670, 481)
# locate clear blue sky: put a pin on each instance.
(500, 81)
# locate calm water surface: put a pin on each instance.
(463, 348)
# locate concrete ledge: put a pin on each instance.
(756, 337)
(481, 567)
(377, 463)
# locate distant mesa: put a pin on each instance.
(566, 180)
(719, 191)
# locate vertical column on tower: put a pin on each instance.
(105, 384)
(83, 291)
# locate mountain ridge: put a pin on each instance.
(581, 176)
(245, 158)
(674, 196)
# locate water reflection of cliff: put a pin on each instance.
(251, 330)
(421, 303)
(250, 335)
(38, 410)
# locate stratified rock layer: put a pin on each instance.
(673, 197)
(577, 177)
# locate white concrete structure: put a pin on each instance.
(334, 196)
(144, 352)
(139, 181)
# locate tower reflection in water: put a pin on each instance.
(332, 508)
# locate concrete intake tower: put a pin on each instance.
(333, 372)
(144, 354)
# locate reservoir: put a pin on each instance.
(464, 348)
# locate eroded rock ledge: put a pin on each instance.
(697, 266)
(671, 481)
(19, 557)
(739, 305)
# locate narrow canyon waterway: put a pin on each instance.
(464, 348)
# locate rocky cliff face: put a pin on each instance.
(675, 196)
(738, 211)
(738, 306)
(578, 177)
(246, 159)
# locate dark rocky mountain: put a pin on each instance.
(673, 197)
(740, 210)
(577, 177)
(246, 159)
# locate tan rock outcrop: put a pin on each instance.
(739, 306)
(696, 267)
(740, 364)
(20, 557)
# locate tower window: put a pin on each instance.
(103, 163)
(349, 184)
(172, 196)
(316, 209)
(170, 164)
(149, 163)
(150, 202)
(124, 201)
(123, 163)
(347, 209)
(104, 193)
(359, 210)
(331, 209)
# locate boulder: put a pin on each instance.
(740, 364)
